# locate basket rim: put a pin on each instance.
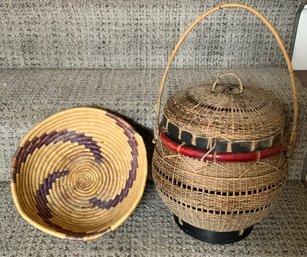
(94, 235)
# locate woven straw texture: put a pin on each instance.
(218, 196)
(139, 34)
(79, 174)
(226, 114)
(282, 233)
(29, 96)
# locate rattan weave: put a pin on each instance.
(225, 114)
(292, 139)
(200, 166)
(79, 174)
(218, 196)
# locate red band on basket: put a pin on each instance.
(219, 156)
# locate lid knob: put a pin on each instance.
(228, 74)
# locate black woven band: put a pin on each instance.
(200, 142)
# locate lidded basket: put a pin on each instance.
(220, 159)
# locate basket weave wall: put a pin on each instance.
(218, 196)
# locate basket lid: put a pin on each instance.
(237, 119)
(79, 174)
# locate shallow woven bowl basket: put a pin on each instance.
(79, 174)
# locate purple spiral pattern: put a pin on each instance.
(54, 137)
(44, 211)
(132, 172)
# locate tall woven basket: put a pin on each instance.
(220, 161)
(79, 174)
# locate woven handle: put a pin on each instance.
(228, 74)
(281, 45)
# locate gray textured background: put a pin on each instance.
(128, 40)
(139, 33)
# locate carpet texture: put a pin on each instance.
(140, 34)
(29, 96)
(151, 231)
(130, 41)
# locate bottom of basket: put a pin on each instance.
(212, 237)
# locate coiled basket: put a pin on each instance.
(220, 159)
(79, 174)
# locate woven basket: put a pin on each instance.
(220, 161)
(218, 196)
(79, 174)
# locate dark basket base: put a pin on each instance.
(212, 237)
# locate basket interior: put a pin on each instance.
(79, 174)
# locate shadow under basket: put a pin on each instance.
(79, 174)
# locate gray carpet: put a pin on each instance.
(29, 96)
(151, 231)
(140, 34)
(134, 39)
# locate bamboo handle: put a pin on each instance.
(281, 45)
(228, 74)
